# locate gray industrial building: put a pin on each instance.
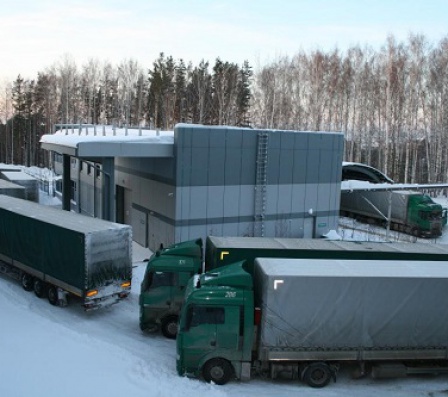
(202, 180)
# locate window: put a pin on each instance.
(57, 157)
(59, 185)
(197, 315)
(72, 189)
(160, 279)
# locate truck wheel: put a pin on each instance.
(39, 288)
(27, 282)
(217, 371)
(169, 327)
(52, 295)
(317, 375)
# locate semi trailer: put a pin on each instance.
(58, 253)
(168, 270)
(305, 318)
(406, 211)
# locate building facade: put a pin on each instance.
(211, 180)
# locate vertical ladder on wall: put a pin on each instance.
(260, 184)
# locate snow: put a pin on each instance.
(73, 136)
(54, 351)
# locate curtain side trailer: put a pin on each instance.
(57, 253)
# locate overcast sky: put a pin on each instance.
(36, 34)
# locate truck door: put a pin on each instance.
(211, 330)
(157, 297)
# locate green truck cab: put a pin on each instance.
(406, 211)
(163, 286)
(217, 325)
(425, 216)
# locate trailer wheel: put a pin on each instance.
(52, 295)
(317, 375)
(218, 371)
(27, 282)
(169, 327)
(39, 288)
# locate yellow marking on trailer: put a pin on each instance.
(224, 253)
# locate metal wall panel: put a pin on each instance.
(209, 185)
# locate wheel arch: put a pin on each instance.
(213, 356)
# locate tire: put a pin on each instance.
(52, 295)
(169, 327)
(39, 288)
(218, 371)
(27, 282)
(317, 375)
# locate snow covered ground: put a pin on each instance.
(53, 352)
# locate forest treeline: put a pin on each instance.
(391, 104)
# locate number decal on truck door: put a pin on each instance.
(230, 294)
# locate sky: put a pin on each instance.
(37, 34)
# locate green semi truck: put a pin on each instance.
(407, 211)
(304, 318)
(58, 253)
(168, 270)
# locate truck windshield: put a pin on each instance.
(433, 215)
(160, 279)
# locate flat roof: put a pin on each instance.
(352, 268)
(17, 176)
(315, 244)
(107, 141)
(6, 185)
(49, 214)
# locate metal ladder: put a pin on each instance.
(260, 184)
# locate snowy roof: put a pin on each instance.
(17, 176)
(10, 167)
(353, 185)
(278, 243)
(55, 216)
(108, 141)
(6, 185)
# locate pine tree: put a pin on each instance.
(244, 95)
(180, 111)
